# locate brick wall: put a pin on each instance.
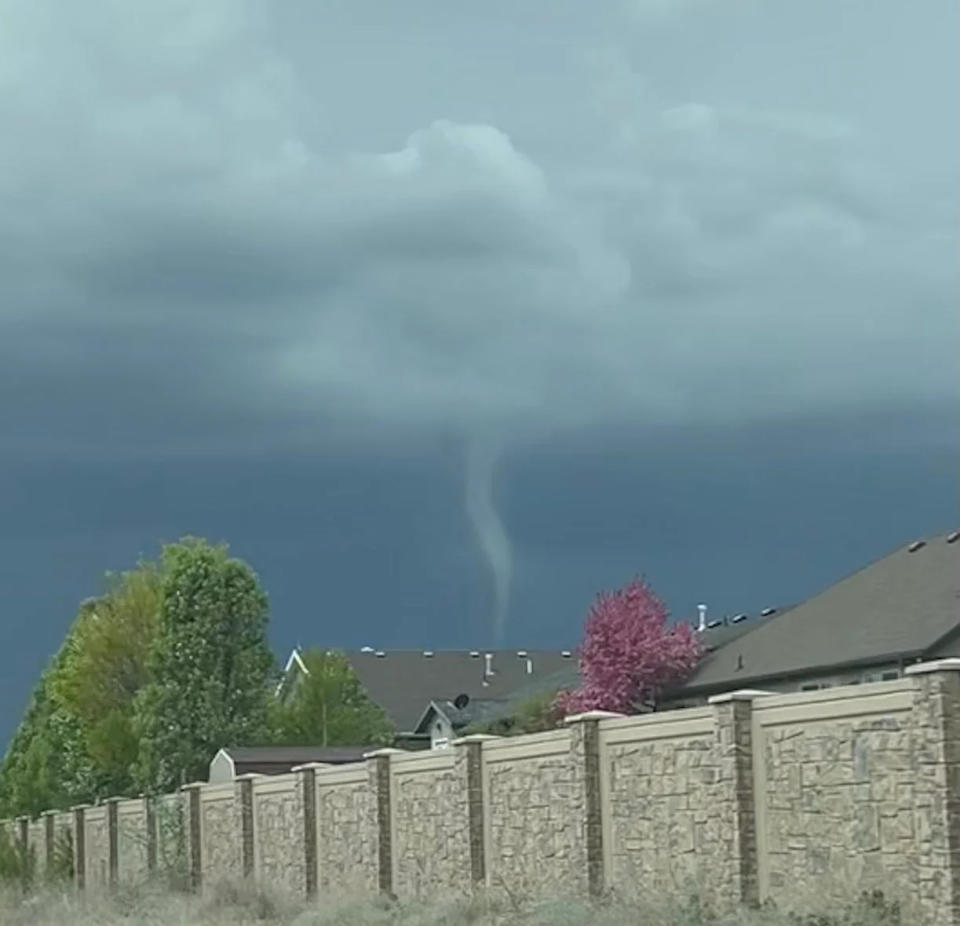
(805, 799)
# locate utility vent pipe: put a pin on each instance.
(702, 608)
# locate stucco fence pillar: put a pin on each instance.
(194, 841)
(936, 748)
(469, 764)
(735, 756)
(78, 834)
(588, 806)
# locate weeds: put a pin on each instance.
(243, 904)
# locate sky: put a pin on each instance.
(448, 316)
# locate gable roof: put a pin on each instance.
(898, 607)
(404, 682)
(458, 717)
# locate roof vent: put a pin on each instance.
(712, 624)
(766, 612)
(953, 537)
(737, 618)
(366, 649)
(702, 625)
(739, 661)
(428, 653)
(565, 653)
(521, 654)
(916, 545)
(474, 654)
(379, 654)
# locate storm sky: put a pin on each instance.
(447, 316)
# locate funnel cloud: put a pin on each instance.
(483, 454)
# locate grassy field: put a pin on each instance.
(228, 905)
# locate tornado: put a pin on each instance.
(483, 454)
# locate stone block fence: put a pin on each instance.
(802, 798)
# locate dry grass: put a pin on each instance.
(239, 905)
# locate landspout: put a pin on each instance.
(483, 454)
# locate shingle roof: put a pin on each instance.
(897, 607)
(295, 755)
(474, 712)
(404, 682)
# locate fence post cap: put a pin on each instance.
(934, 665)
(386, 751)
(586, 716)
(311, 766)
(741, 694)
(474, 738)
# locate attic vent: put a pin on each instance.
(766, 612)
(565, 653)
(916, 545)
(428, 653)
(366, 649)
(379, 654)
(953, 537)
(712, 624)
(474, 654)
(737, 618)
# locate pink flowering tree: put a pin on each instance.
(629, 652)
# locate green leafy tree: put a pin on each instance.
(329, 707)
(105, 666)
(210, 666)
(46, 765)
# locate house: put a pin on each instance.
(231, 762)
(445, 720)
(419, 690)
(900, 609)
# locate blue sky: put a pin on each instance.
(448, 316)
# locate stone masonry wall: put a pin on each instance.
(277, 829)
(346, 830)
(531, 792)
(805, 799)
(171, 834)
(663, 803)
(132, 839)
(218, 832)
(835, 785)
(37, 843)
(97, 847)
(431, 842)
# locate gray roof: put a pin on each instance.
(474, 712)
(404, 682)
(294, 755)
(897, 607)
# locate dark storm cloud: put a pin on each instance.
(171, 210)
(683, 264)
